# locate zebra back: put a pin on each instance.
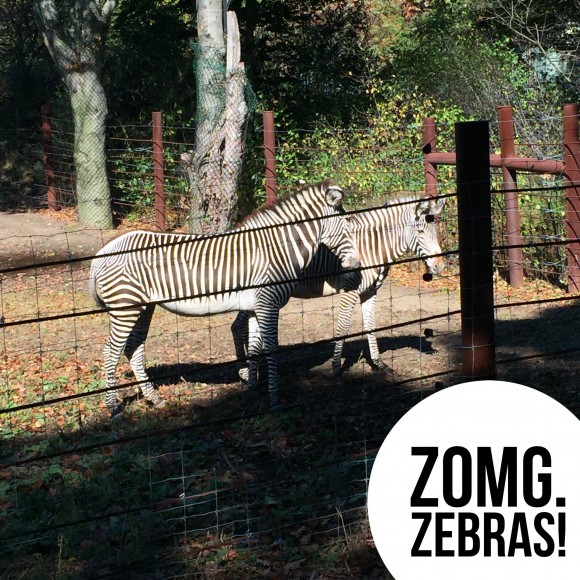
(273, 245)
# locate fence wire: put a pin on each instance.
(217, 485)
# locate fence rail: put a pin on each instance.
(510, 164)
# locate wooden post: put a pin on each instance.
(270, 157)
(159, 172)
(48, 158)
(429, 146)
(512, 210)
(475, 249)
(572, 169)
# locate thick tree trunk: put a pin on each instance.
(89, 105)
(213, 168)
(75, 51)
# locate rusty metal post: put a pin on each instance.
(429, 146)
(270, 157)
(158, 172)
(512, 210)
(475, 249)
(572, 171)
(48, 158)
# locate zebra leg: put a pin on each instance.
(347, 301)
(368, 305)
(255, 347)
(122, 323)
(240, 335)
(267, 323)
(135, 352)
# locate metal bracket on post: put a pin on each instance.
(475, 249)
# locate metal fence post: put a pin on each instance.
(512, 210)
(158, 172)
(48, 158)
(475, 249)
(270, 157)
(572, 171)
(429, 146)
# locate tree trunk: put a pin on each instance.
(75, 51)
(213, 168)
(89, 106)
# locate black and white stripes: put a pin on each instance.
(253, 268)
(383, 235)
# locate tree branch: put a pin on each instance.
(51, 30)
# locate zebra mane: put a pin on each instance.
(285, 198)
(403, 199)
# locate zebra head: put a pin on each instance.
(425, 237)
(337, 232)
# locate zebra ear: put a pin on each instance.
(334, 195)
(436, 205)
(430, 206)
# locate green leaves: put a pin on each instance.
(377, 157)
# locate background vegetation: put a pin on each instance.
(356, 75)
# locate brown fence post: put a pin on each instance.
(512, 210)
(48, 158)
(475, 249)
(158, 172)
(572, 170)
(429, 146)
(270, 157)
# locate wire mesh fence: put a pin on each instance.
(371, 165)
(367, 161)
(216, 484)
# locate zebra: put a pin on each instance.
(252, 268)
(383, 234)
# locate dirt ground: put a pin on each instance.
(37, 237)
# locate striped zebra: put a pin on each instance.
(383, 235)
(253, 268)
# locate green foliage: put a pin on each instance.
(131, 169)
(147, 64)
(26, 74)
(542, 216)
(298, 56)
(375, 160)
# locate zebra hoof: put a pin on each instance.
(386, 373)
(379, 365)
(116, 414)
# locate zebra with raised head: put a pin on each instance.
(383, 235)
(253, 268)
